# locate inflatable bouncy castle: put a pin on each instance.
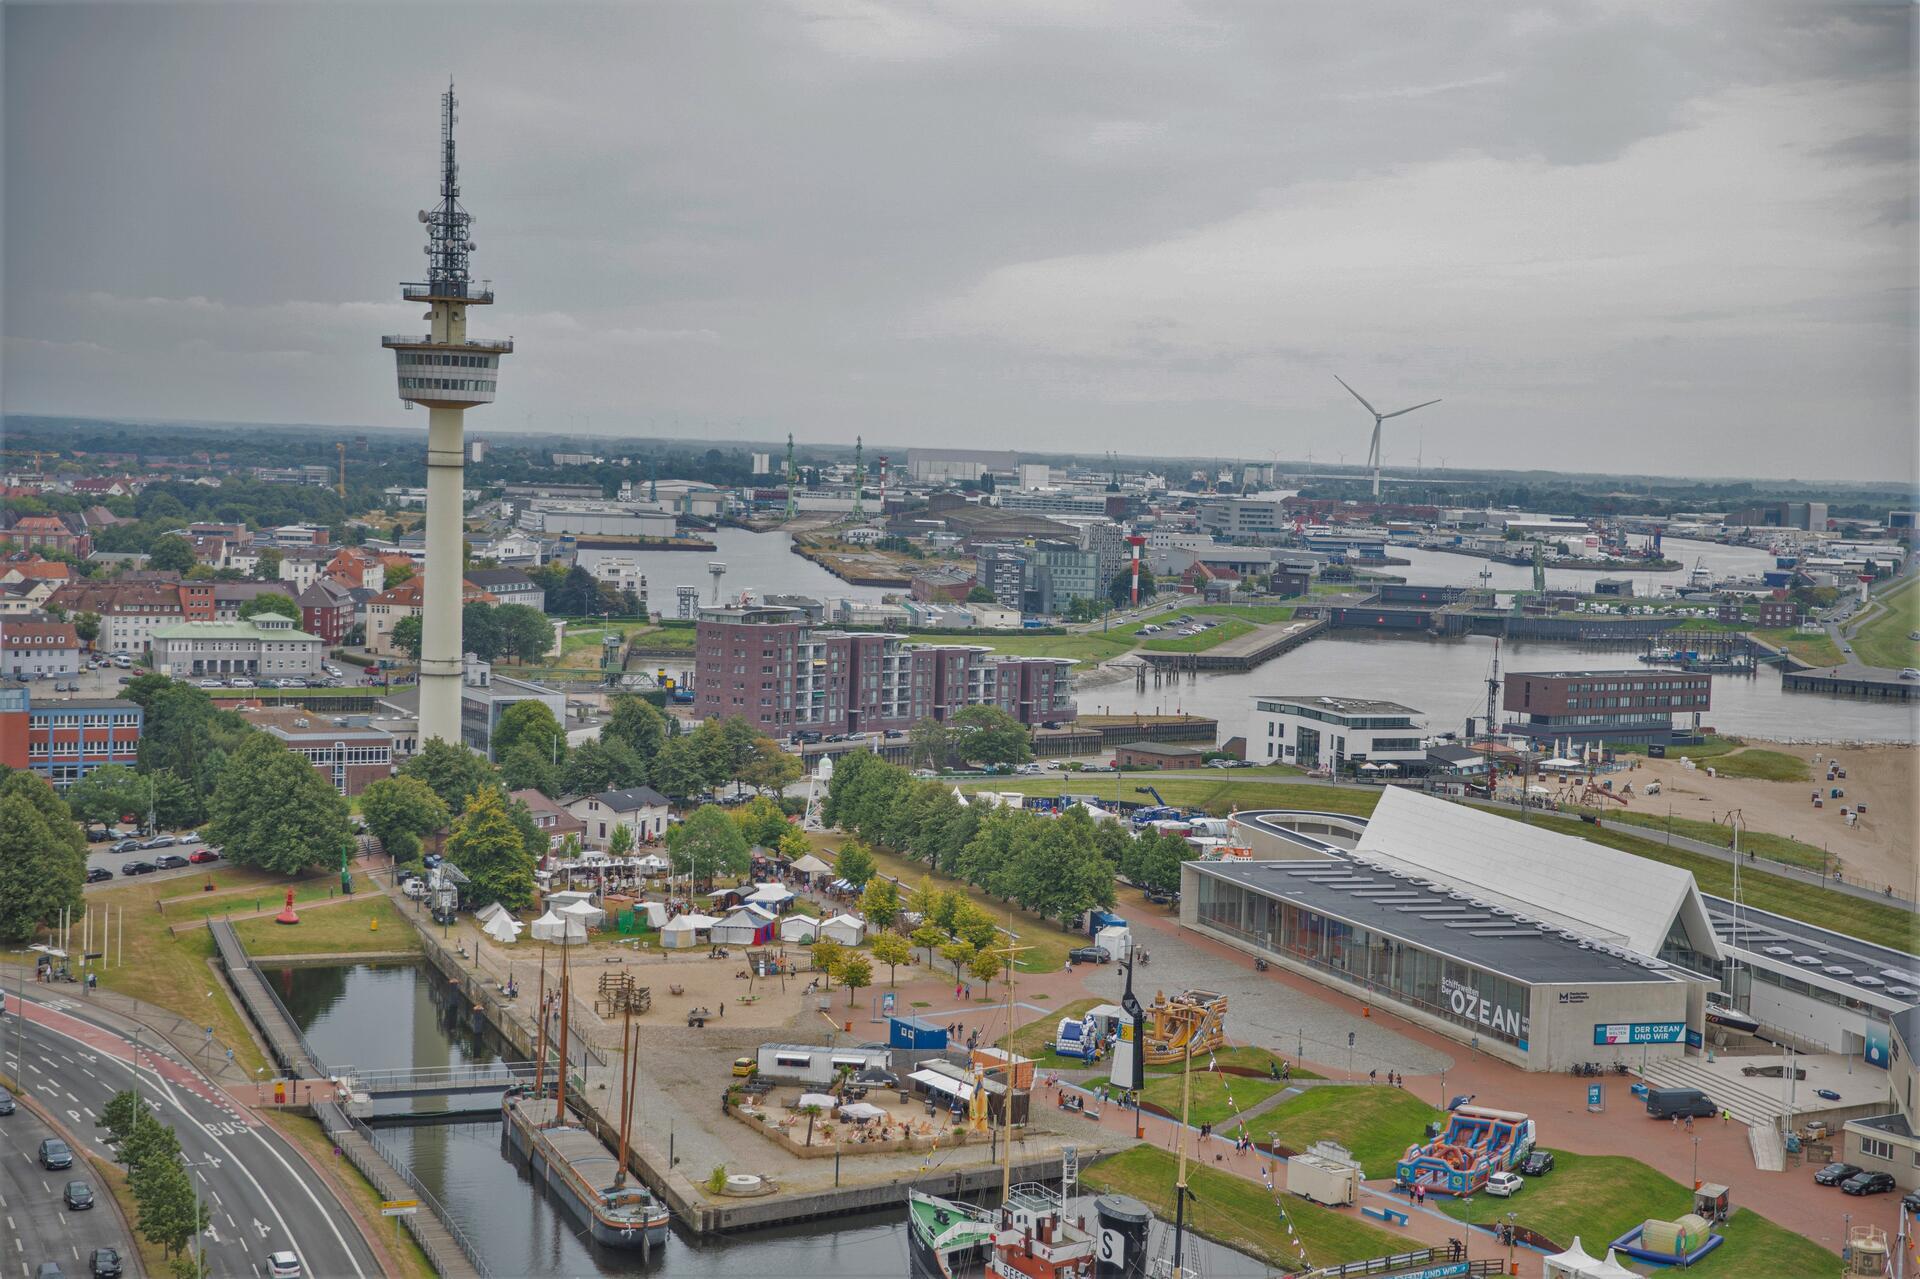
(1478, 1143)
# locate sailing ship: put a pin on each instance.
(569, 1160)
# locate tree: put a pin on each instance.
(855, 972)
(527, 767)
(769, 769)
(1120, 589)
(524, 633)
(638, 723)
(812, 1110)
(405, 636)
(592, 767)
(620, 842)
(891, 949)
(706, 844)
(761, 821)
(974, 924)
(960, 954)
(490, 850)
(793, 843)
(480, 630)
(928, 936)
(828, 956)
(86, 626)
(270, 602)
(452, 772)
(43, 857)
(107, 794)
(267, 567)
(171, 554)
(272, 810)
(985, 965)
(119, 1117)
(854, 864)
(531, 722)
(979, 595)
(988, 735)
(880, 903)
(397, 574)
(679, 771)
(399, 810)
(929, 744)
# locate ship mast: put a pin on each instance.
(540, 1032)
(627, 1044)
(560, 1084)
(1012, 952)
(1180, 1182)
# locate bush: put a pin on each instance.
(356, 659)
(717, 1179)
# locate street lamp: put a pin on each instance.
(1510, 1225)
(1696, 1163)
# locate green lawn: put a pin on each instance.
(334, 930)
(1779, 848)
(1815, 648)
(1242, 1214)
(1095, 646)
(1219, 797)
(1216, 1098)
(1763, 765)
(1601, 1197)
(1868, 920)
(1882, 639)
(1708, 749)
(1374, 1123)
(1246, 1056)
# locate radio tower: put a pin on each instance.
(449, 373)
(859, 511)
(793, 476)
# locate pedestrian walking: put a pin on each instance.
(1373, 1076)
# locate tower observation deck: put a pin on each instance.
(448, 372)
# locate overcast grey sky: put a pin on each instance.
(1662, 237)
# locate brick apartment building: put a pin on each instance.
(1634, 707)
(348, 751)
(772, 667)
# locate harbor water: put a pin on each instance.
(402, 1015)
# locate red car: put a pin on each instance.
(204, 855)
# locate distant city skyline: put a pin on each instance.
(1611, 239)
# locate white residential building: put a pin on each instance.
(1336, 733)
(266, 645)
(639, 808)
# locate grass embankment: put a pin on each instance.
(1815, 648)
(335, 930)
(1245, 1056)
(1376, 1124)
(412, 1263)
(1216, 797)
(582, 645)
(1095, 646)
(1779, 848)
(1216, 1099)
(1868, 920)
(1600, 1197)
(1240, 1214)
(1763, 765)
(1882, 640)
(1046, 942)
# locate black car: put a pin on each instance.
(55, 1154)
(1909, 1202)
(104, 1264)
(79, 1196)
(169, 861)
(1868, 1183)
(1538, 1163)
(95, 835)
(6, 1102)
(1834, 1174)
(98, 874)
(138, 868)
(126, 846)
(1089, 955)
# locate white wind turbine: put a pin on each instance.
(1373, 450)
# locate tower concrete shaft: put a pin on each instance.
(448, 372)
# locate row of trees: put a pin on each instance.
(638, 746)
(488, 631)
(974, 735)
(169, 1213)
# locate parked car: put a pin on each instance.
(745, 1068)
(1868, 1183)
(283, 1265)
(96, 835)
(126, 846)
(104, 1264)
(98, 874)
(169, 861)
(1503, 1184)
(202, 856)
(55, 1154)
(160, 841)
(1834, 1174)
(79, 1196)
(138, 868)
(48, 1270)
(191, 837)
(213, 683)
(6, 1102)
(416, 889)
(240, 681)
(1909, 1202)
(1089, 955)
(1665, 1103)
(1538, 1163)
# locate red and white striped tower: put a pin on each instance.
(1136, 541)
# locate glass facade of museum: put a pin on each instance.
(1484, 1003)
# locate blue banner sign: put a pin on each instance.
(1640, 1032)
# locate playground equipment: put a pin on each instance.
(1680, 1242)
(1193, 1020)
(1080, 1037)
(1478, 1143)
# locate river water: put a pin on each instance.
(757, 562)
(395, 1016)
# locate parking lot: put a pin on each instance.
(137, 852)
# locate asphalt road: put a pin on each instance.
(38, 1225)
(73, 1057)
(97, 855)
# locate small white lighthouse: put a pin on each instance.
(448, 372)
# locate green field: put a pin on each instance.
(1600, 1197)
(1095, 646)
(1779, 848)
(1763, 765)
(1246, 1056)
(1374, 1123)
(1216, 1098)
(334, 930)
(1882, 640)
(1216, 797)
(1242, 1214)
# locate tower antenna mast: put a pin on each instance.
(859, 511)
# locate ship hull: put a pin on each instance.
(560, 1181)
(929, 1262)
